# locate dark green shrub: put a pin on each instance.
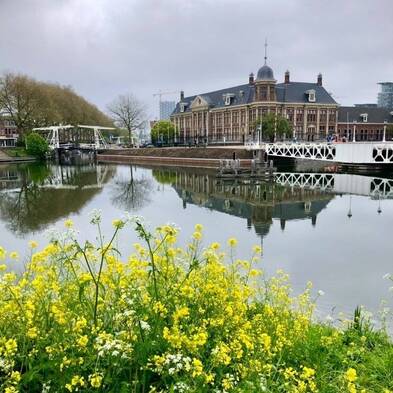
(36, 145)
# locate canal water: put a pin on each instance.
(332, 229)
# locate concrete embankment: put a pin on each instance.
(177, 156)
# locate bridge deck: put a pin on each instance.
(369, 153)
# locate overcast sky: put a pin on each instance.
(108, 47)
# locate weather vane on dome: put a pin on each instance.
(265, 50)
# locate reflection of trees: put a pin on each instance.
(41, 195)
(131, 192)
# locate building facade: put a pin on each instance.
(229, 115)
(8, 132)
(166, 109)
(364, 123)
(385, 96)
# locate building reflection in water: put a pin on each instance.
(291, 196)
(259, 202)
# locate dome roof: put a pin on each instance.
(265, 73)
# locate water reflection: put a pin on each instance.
(35, 195)
(130, 192)
(258, 202)
(301, 218)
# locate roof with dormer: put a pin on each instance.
(374, 114)
(292, 92)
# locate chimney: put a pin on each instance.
(251, 79)
(182, 95)
(286, 79)
(319, 80)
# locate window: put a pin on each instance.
(227, 98)
(311, 95)
(182, 107)
(364, 117)
(311, 115)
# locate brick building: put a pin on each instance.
(367, 123)
(229, 115)
(8, 131)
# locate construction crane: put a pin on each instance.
(163, 93)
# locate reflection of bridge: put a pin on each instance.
(354, 153)
(59, 178)
(339, 183)
(68, 137)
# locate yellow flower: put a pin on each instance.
(215, 246)
(33, 244)
(15, 377)
(68, 223)
(118, 224)
(255, 272)
(82, 341)
(198, 227)
(3, 267)
(77, 380)
(14, 255)
(181, 313)
(232, 242)
(32, 332)
(350, 375)
(11, 347)
(95, 380)
(197, 367)
(2, 253)
(80, 324)
(257, 249)
(197, 235)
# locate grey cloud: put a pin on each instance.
(106, 47)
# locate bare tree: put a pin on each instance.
(128, 112)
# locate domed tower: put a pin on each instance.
(265, 84)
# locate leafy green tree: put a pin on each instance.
(36, 145)
(31, 103)
(163, 131)
(273, 126)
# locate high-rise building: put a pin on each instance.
(166, 109)
(385, 96)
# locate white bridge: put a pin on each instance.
(351, 153)
(374, 187)
(79, 136)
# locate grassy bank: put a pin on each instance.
(15, 152)
(169, 319)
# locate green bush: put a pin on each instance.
(36, 145)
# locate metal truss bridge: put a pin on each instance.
(350, 153)
(74, 137)
(374, 187)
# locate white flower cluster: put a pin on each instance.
(6, 365)
(46, 387)
(113, 347)
(181, 387)
(175, 363)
